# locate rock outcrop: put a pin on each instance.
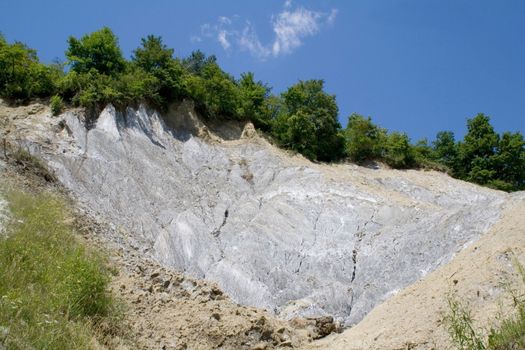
(481, 277)
(274, 231)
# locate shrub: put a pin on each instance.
(308, 122)
(460, 327)
(214, 92)
(57, 104)
(253, 95)
(98, 50)
(398, 152)
(22, 76)
(155, 59)
(364, 139)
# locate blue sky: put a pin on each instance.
(418, 66)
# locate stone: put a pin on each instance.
(333, 240)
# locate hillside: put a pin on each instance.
(273, 230)
(480, 276)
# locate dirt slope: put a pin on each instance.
(274, 231)
(346, 244)
(413, 319)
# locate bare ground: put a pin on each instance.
(164, 309)
(480, 275)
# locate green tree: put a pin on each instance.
(155, 58)
(153, 55)
(22, 76)
(196, 62)
(308, 122)
(476, 151)
(98, 50)
(398, 152)
(214, 92)
(253, 95)
(445, 149)
(509, 162)
(423, 150)
(364, 139)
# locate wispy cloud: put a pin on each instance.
(290, 27)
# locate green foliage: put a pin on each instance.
(54, 290)
(308, 122)
(445, 149)
(57, 104)
(153, 55)
(422, 150)
(214, 92)
(154, 58)
(398, 152)
(476, 150)
(97, 51)
(509, 160)
(510, 334)
(461, 329)
(488, 159)
(253, 96)
(364, 139)
(304, 118)
(22, 76)
(297, 132)
(196, 62)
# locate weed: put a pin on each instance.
(53, 290)
(510, 334)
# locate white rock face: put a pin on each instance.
(274, 231)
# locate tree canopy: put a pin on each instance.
(364, 139)
(98, 50)
(308, 122)
(304, 118)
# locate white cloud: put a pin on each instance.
(248, 41)
(222, 37)
(290, 28)
(332, 16)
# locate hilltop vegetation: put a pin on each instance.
(304, 118)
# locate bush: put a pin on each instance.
(364, 139)
(22, 76)
(155, 59)
(398, 152)
(214, 92)
(307, 122)
(57, 104)
(98, 50)
(253, 97)
(53, 291)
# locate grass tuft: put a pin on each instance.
(509, 335)
(53, 290)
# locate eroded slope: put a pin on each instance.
(274, 231)
(480, 276)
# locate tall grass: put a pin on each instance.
(53, 290)
(509, 335)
